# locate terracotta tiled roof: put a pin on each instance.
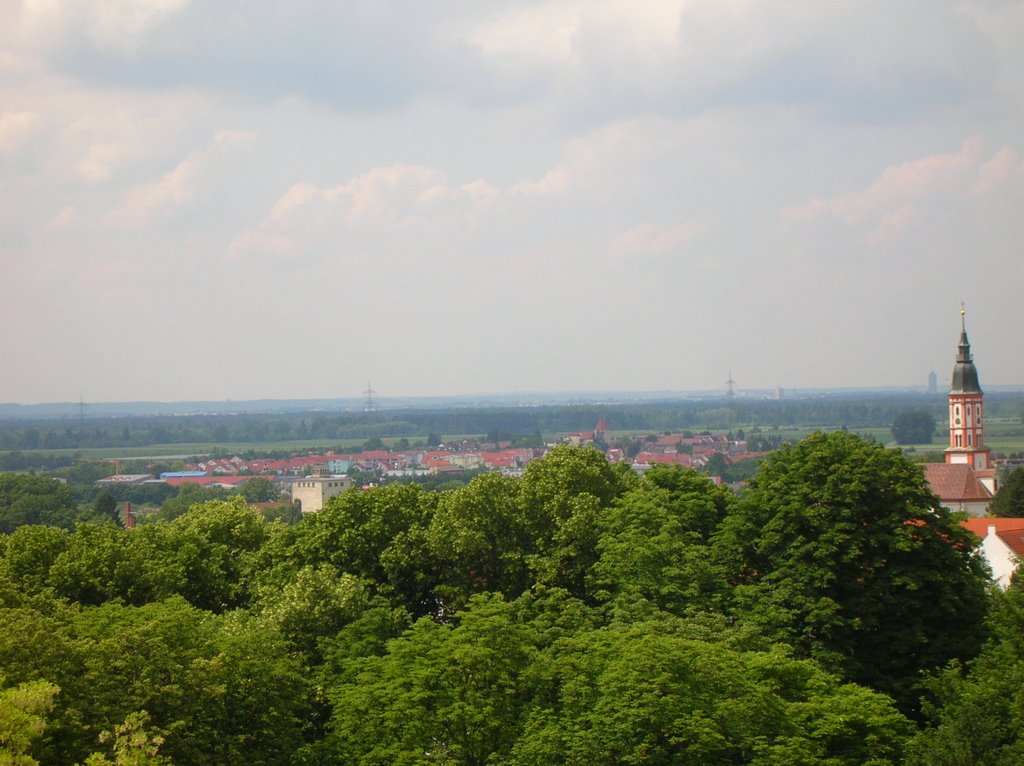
(955, 482)
(1014, 538)
(177, 481)
(649, 458)
(1009, 530)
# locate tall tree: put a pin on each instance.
(913, 428)
(1009, 500)
(843, 551)
(655, 542)
(35, 500)
(976, 711)
(445, 693)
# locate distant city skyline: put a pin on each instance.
(198, 204)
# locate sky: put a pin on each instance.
(241, 199)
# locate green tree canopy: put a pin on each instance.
(35, 500)
(259, 489)
(662, 691)
(1009, 500)
(976, 712)
(446, 693)
(23, 710)
(655, 542)
(913, 428)
(844, 553)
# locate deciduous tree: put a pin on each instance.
(1009, 500)
(844, 552)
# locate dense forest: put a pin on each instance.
(833, 411)
(576, 615)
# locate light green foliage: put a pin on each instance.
(655, 543)
(220, 540)
(563, 498)
(131, 744)
(102, 562)
(535, 682)
(481, 539)
(217, 689)
(578, 615)
(650, 693)
(549, 486)
(30, 552)
(354, 529)
(378, 535)
(23, 710)
(443, 693)
(315, 604)
(845, 553)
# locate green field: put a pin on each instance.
(1003, 436)
(228, 449)
(169, 450)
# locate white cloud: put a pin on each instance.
(559, 169)
(903, 191)
(120, 26)
(654, 239)
(16, 129)
(156, 200)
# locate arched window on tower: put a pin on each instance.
(968, 440)
(958, 441)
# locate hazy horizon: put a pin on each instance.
(212, 202)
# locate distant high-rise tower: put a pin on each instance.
(966, 409)
(933, 382)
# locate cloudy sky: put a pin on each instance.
(235, 199)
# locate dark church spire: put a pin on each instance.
(965, 375)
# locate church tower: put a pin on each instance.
(966, 410)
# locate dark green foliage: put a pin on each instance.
(1009, 500)
(913, 428)
(35, 500)
(105, 507)
(259, 489)
(843, 551)
(977, 714)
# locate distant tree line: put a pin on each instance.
(508, 423)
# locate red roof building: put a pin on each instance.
(958, 487)
(1002, 543)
